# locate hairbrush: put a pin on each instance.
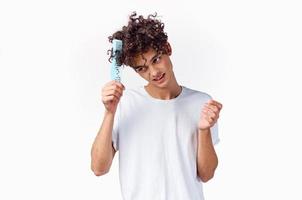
(117, 46)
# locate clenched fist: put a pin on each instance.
(210, 114)
(111, 94)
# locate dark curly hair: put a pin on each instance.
(140, 35)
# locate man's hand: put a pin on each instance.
(111, 94)
(210, 114)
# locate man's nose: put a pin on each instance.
(154, 72)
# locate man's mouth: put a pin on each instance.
(159, 78)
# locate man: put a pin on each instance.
(165, 132)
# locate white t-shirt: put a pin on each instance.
(157, 143)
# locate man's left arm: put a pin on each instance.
(207, 160)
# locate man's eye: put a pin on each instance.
(156, 60)
(140, 69)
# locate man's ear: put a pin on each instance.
(169, 49)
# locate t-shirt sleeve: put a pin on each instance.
(115, 129)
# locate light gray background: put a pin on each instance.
(53, 64)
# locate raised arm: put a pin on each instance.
(102, 151)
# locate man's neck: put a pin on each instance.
(170, 92)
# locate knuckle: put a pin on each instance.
(116, 92)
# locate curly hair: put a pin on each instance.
(140, 35)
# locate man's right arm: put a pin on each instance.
(102, 151)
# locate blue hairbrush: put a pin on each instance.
(117, 46)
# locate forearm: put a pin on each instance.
(207, 160)
(101, 151)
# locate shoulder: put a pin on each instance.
(134, 91)
(132, 94)
(197, 94)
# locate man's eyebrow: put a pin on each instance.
(135, 67)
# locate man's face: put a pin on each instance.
(155, 68)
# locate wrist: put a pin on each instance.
(109, 113)
(204, 131)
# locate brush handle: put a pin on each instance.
(117, 46)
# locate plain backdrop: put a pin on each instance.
(53, 64)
